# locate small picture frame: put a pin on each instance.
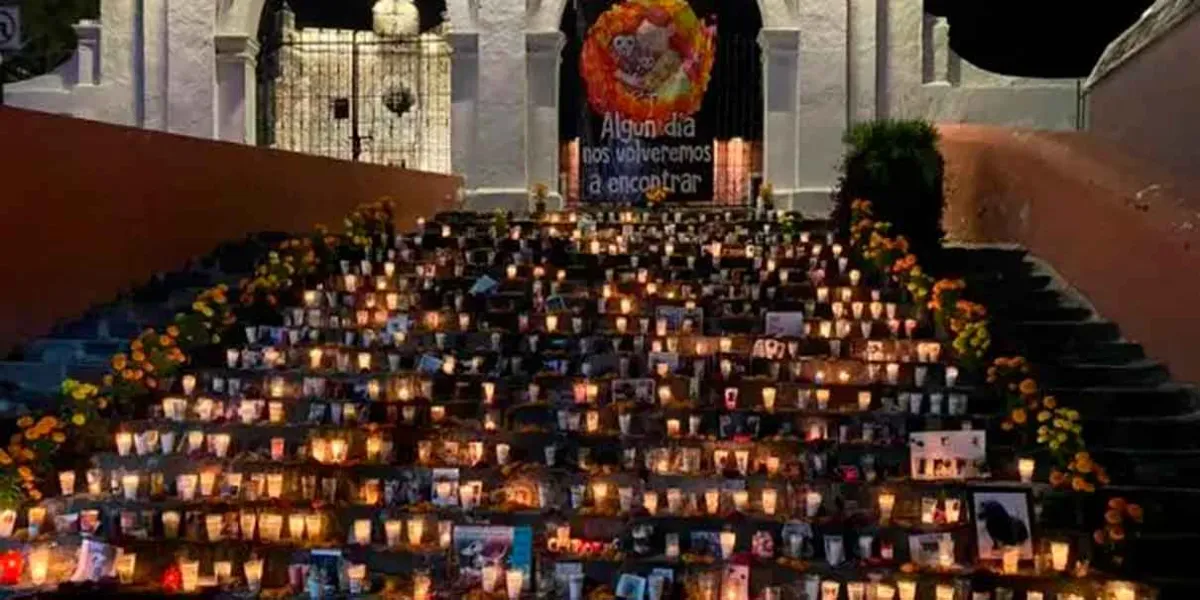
(1002, 518)
(429, 364)
(633, 390)
(784, 324)
(631, 587)
(924, 548)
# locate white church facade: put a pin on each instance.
(190, 68)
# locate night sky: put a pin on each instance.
(1032, 38)
(1028, 38)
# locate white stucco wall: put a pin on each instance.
(156, 67)
(1150, 102)
(828, 64)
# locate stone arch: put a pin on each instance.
(236, 44)
(239, 17)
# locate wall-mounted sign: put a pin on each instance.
(646, 66)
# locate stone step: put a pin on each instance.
(1160, 505)
(1149, 433)
(1102, 353)
(1170, 555)
(1159, 467)
(1061, 336)
(33, 376)
(1135, 373)
(1168, 400)
(1001, 288)
(971, 260)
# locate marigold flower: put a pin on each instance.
(1113, 517)
(1116, 532)
(1019, 416)
(1028, 387)
(1135, 512)
(1057, 477)
(79, 419)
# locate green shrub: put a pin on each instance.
(895, 165)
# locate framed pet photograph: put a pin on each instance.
(1002, 519)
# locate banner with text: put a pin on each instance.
(646, 66)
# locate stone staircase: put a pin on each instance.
(82, 347)
(1142, 426)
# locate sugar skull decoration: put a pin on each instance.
(648, 60)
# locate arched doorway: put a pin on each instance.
(732, 109)
(329, 85)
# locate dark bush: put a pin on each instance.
(896, 165)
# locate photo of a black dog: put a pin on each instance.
(1002, 521)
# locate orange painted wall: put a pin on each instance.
(90, 209)
(1122, 231)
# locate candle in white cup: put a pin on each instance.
(66, 482)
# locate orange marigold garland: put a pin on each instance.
(690, 40)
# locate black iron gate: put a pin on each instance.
(355, 96)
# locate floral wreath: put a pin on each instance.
(691, 39)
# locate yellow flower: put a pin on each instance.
(79, 419)
(25, 422)
(1043, 416)
(58, 437)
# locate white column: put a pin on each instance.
(823, 100)
(191, 68)
(87, 52)
(499, 179)
(237, 89)
(543, 56)
(781, 122)
(864, 60)
(154, 63)
(464, 95)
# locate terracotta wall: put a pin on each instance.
(1149, 104)
(1120, 230)
(90, 209)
